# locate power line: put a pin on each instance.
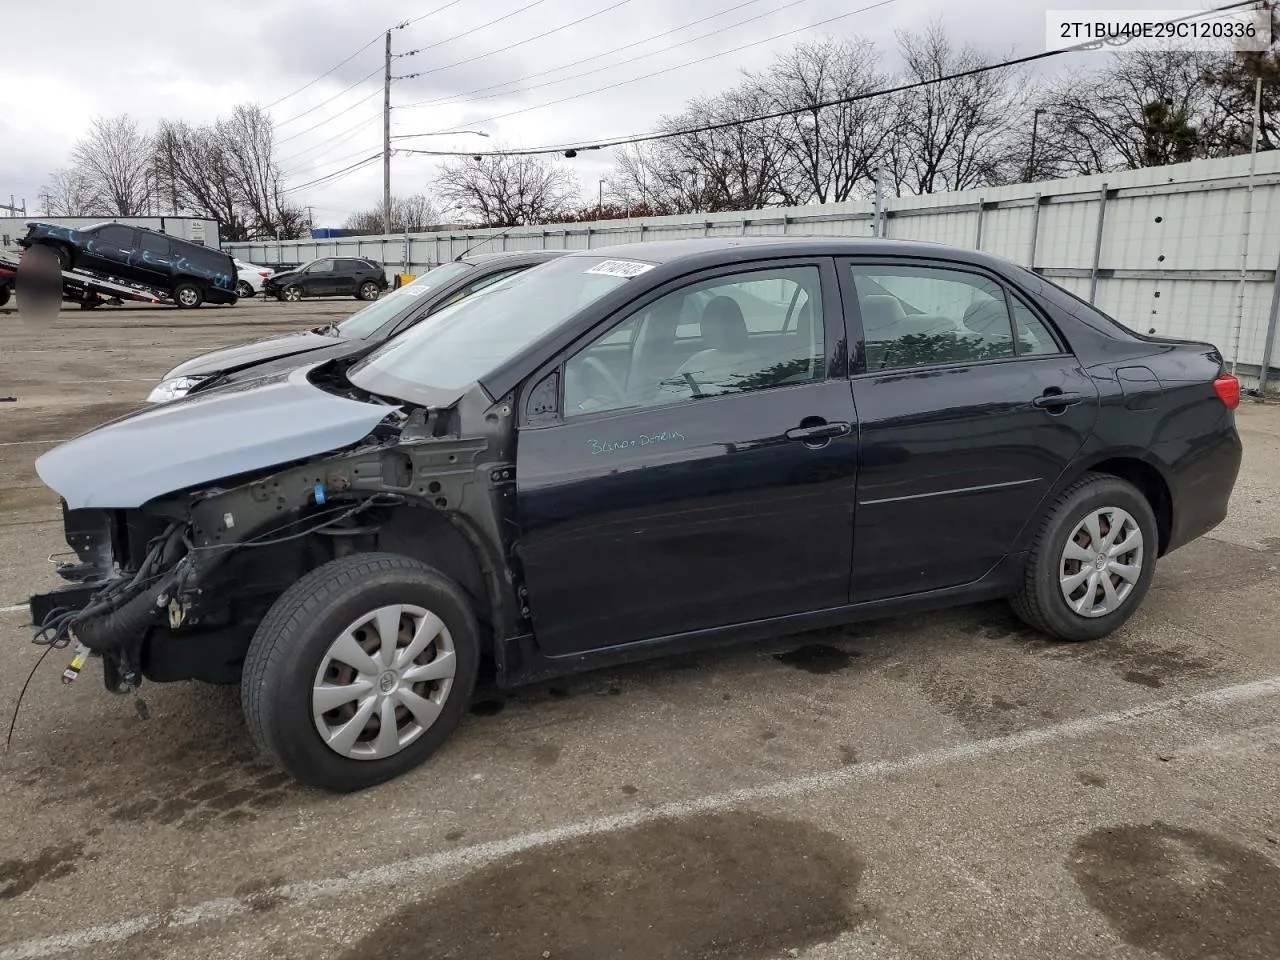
(344, 90)
(665, 70)
(575, 63)
(342, 137)
(325, 74)
(792, 111)
(459, 36)
(518, 43)
(295, 136)
(329, 177)
(429, 13)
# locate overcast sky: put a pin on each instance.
(63, 63)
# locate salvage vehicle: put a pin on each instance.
(627, 452)
(249, 278)
(329, 277)
(359, 333)
(187, 273)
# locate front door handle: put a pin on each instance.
(821, 431)
(1058, 399)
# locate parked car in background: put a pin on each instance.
(187, 273)
(627, 452)
(249, 278)
(330, 277)
(358, 333)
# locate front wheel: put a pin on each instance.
(1091, 562)
(360, 670)
(368, 290)
(291, 293)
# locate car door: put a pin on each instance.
(349, 275)
(113, 249)
(318, 280)
(964, 427)
(155, 261)
(684, 469)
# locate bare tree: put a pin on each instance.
(113, 158)
(412, 214)
(248, 141)
(1231, 86)
(505, 191)
(70, 194)
(1146, 108)
(830, 153)
(194, 173)
(954, 134)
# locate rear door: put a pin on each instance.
(691, 463)
(350, 274)
(964, 427)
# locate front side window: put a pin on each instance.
(746, 331)
(364, 322)
(467, 340)
(155, 246)
(919, 316)
(320, 266)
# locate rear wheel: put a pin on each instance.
(1091, 562)
(4, 295)
(368, 291)
(188, 295)
(62, 254)
(243, 290)
(360, 670)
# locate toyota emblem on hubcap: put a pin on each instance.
(387, 682)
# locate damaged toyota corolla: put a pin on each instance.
(627, 452)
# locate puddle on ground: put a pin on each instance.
(817, 658)
(1183, 894)
(726, 886)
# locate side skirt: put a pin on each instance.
(521, 662)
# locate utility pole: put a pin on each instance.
(1035, 129)
(386, 142)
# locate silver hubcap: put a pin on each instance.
(188, 297)
(1101, 562)
(383, 682)
(293, 293)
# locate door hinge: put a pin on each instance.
(501, 476)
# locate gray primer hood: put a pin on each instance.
(200, 439)
(247, 354)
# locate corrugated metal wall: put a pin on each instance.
(1168, 256)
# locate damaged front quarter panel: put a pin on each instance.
(234, 430)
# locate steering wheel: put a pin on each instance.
(610, 381)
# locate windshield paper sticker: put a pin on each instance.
(613, 446)
(620, 268)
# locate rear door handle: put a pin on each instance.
(1057, 399)
(821, 431)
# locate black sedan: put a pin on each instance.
(628, 452)
(359, 333)
(329, 277)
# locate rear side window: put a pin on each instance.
(920, 316)
(119, 237)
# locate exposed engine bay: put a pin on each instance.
(172, 589)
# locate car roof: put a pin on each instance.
(730, 249)
(506, 256)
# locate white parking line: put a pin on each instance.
(13, 608)
(398, 872)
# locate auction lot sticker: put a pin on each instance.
(1215, 31)
(620, 268)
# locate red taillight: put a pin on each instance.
(1227, 388)
(264, 273)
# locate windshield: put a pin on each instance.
(365, 322)
(466, 340)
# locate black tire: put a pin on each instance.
(65, 258)
(1040, 602)
(244, 291)
(291, 293)
(368, 291)
(188, 295)
(4, 295)
(289, 645)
